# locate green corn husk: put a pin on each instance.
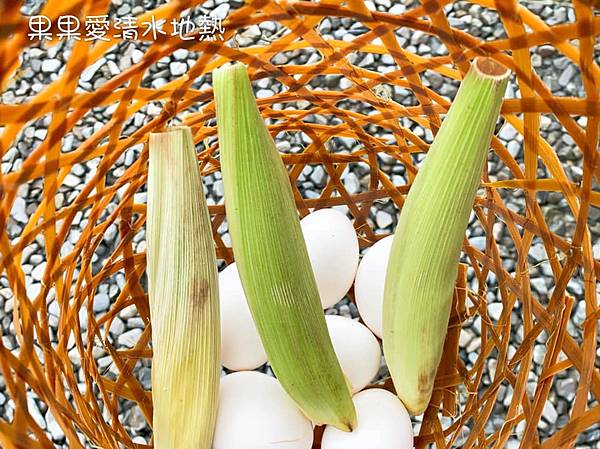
(427, 243)
(183, 294)
(272, 258)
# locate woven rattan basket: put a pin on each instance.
(89, 406)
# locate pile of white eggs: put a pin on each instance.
(254, 410)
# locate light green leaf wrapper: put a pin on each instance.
(426, 248)
(272, 258)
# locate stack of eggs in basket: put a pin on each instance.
(254, 410)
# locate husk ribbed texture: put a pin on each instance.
(272, 258)
(425, 252)
(183, 293)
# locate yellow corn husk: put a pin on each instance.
(183, 294)
(272, 258)
(427, 243)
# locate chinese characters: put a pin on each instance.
(97, 28)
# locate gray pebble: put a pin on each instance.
(495, 310)
(478, 242)
(383, 219)
(90, 71)
(98, 352)
(33, 290)
(18, 210)
(507, 132)
(75, 356)
(140, 197)
(123, 10)
(492, 366)
(9, 342)
(145, 377)
(537, 252)
(135, 323)
(128, 312)
(539, 285)
(114, 70)
(137, 56)
(6, 293)
(129, 338)
(397, 8)
(34, 411)
(181, 54)
(117, 327)
(157, 84)
(567, 388)
(264, 93)
(253, 32)
(101, 303)
(72, 181)
(111, 233)
(465, 338)
(513, 443)
(539, 353)
(177, 68)
(474, 346)
(575, 287)
(36, 259)
(134, 418)
(579, 316)
(104, 362)
(220, 11)
(549, 412)
(566, 76)
(51, 65)
(318, 175)
(351, 183)
(38, 271)
(514, 148)
(218, 188)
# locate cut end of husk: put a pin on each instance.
(490, 68)
(272, 258)
(183, 296)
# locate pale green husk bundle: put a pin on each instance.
(426, 248)
(183, 294)
(272, 258)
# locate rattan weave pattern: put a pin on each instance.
(45, 367)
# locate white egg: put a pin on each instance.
(333, 250)
(256, 413)
(356, 348)
(369, 284)
(383, 423)
(241, 347)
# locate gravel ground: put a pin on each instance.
(41, 66)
